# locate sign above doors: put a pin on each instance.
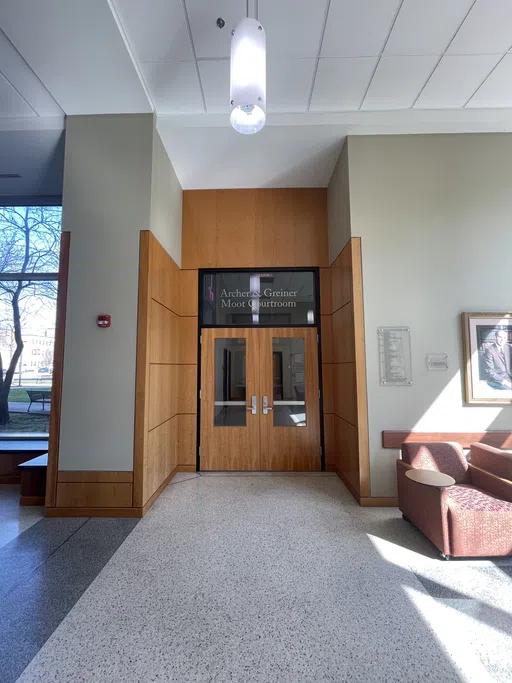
(251, 298)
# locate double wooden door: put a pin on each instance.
(260, 402)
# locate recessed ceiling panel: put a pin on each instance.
(496, 91)
(398, 81)
(426, 28)
(174, 87)
(156, 29)
(358, 29)
(293, 28)
(278, 156)
(455, 80)
(486, 31)
(340, 84)
(211, 42)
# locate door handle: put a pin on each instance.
(254, 406)
(266, 407)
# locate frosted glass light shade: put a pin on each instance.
(248, 85)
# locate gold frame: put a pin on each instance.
(466, 341)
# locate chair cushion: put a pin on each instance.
(438, 456)
(469, 498)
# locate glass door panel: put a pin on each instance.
(230, 383)
(288, 361)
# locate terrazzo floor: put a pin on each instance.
(280, 579)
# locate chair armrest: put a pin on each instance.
(489, 482)
(492, 460)
(425, 506)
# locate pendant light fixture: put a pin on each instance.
(248, 86)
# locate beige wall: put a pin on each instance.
(117, 182)
(338, 206)
(434, 215)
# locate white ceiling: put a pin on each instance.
(334, 67)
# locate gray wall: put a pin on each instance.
(338, 206)
(109, 196)
(166, 201)
(434, 214)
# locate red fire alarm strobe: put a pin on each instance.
(103, 321)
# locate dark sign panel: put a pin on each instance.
(246, 298)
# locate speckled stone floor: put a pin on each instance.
(280, 579)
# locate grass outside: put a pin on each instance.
(19, 394)
(26, 422)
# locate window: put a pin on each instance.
(29, 265)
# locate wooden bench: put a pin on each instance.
(38, 397)
(15, 451)
(33, 480)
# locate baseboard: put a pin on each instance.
(93, 512)
(159, 490)
(349, 486)
(378, 502)
(32, 500)
(186, 468)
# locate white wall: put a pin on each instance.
(106, 203)
(338, 206)
(434, 214)
(166, 201)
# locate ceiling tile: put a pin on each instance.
(426, 28)
(211, 42)
(20, 75)
(487, 29)
(215, 80)
(358, 29)
(496, 91)
(397, 82)
(174, 87)
(289, 84)
(455, 80)
(340, 84)
(156, 29)
(292, 30)
(11, 103)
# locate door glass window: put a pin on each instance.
(247, 299)
(230, 383)
(289, 398)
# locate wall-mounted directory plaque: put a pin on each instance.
(395, 356)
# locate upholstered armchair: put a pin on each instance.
(471, 518)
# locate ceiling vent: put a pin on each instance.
(5, 176)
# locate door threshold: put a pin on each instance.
(263, 473)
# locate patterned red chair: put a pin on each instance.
(472, 518)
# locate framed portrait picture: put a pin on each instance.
(487, 341)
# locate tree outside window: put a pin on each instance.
(29, 263)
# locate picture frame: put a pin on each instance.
(487, 343)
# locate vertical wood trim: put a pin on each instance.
(360, 369)
(58, 371)
(142, 368)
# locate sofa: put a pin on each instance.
(472, 517)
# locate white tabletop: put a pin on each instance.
(430, 478)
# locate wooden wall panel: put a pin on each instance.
(254, 228)
(325, 291)
(188, 341)
(161, 456)
(163, 393)
(189, 294)
(187, 436)
(94, 477)
(94, 495)
(164, 334)
(326, 329)
(343, 333)
(345, 400)
(165, 280)
(187, 389)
